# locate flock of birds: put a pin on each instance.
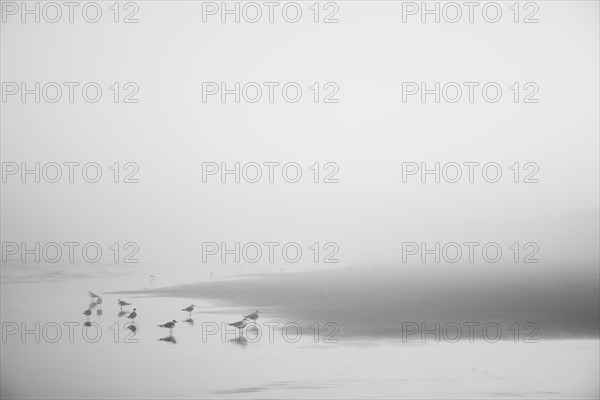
(97, 301)
(97, 304)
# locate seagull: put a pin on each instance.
(93, 295)
(123, 303)
(87, 313)
(240, 324)
(254, 316)
(132, 315)
(189, 309)
(170, 325)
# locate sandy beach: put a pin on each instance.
(367, 358)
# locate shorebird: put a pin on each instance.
(132, 315)
(189, 309)
(87, 313)
(254, 316)
(123, 303)
(93, 295)
(240, 324)
(170, 325)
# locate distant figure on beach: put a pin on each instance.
(133, 314)
(189, 309)
(240, 324)
(253, 317)
(170, 325)
(123, 304)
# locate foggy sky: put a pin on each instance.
(369, 133)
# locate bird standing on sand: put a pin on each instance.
(240, 324)
(123, 304)
(254, 316)
(87, 313)
(189, 309)
(133, 314)
(170, 325)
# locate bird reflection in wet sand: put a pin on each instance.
(240, 340)
(189, 321)
(170, 339)
(122, 314)
(99, 312)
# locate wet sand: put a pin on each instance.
(359, 365)
(374, 302)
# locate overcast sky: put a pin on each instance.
(368, 134)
